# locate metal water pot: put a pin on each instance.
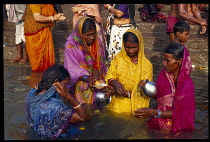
(149, 89)
(102, 99)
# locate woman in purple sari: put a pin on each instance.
(85, 59)
(175, 93)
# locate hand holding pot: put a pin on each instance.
(148, 87)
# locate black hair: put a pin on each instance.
(130, 37)
(181, 27)
(176, 49)
(50, 75)
(88, 24)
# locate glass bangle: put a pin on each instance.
(159, 114)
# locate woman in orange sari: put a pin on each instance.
(39, 42)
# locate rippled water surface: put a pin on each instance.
(18, 79)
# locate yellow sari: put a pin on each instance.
(129, 75)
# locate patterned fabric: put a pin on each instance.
(113, 34)
(39, 41)
(115, 44)
(79, 60)
(180, 100)
(31, 26)
(47, 114)
(93, 11)
(129, 75)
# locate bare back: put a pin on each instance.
(177, 8)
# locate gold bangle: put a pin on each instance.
(76, 107)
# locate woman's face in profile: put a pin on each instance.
(170, 63)
(131, 49)
(89, 36)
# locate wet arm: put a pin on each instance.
(147, 112)
(81, 113)
(166, 114)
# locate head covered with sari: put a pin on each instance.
(184, 99)
(129, 75)
(78, 58)
(179, 97)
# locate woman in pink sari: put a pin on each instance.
(175, 93)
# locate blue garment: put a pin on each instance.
(47, 114)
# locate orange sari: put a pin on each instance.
(39, 41)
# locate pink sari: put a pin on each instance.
(179, 99)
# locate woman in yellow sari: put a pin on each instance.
(39, 42)
(127, 69)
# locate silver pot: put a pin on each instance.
(102, 99)
(149, 89)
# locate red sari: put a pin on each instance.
(180, 99)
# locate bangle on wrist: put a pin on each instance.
(159, 113)
(76, 107)
(109, 7)
(52, 18)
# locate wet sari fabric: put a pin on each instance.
(47, 114)
(80, 60)
(129, 75)
(179, 99)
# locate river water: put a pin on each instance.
(18, 79)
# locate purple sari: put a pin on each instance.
(79, 60)
(179, 99)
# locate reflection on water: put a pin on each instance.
(34, 78)
(18, 79)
